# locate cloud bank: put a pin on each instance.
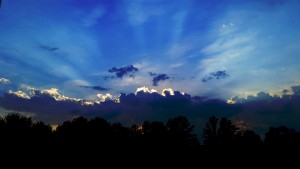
(259, 112)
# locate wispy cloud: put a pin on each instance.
(139, 13)
(91, 18)
(245, 43)
(99, 88)
(48, 48)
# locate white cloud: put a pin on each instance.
(92, 18)
(176, 65)
(4, 80)
(139, 13)
(227, 44)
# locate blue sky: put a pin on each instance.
(86, 49)
(256, 43)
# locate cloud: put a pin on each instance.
(139, 13)
(48, 48)
(51, 106)
(4, 80)
(99, 88)
(263, 110)
(158, 77)
(92, 18)
(296, 90)
(260, 111)
(215, 75)
(19, 94)
(252, 53)
(122, 71)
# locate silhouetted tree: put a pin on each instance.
(120, 135)
(226, 131)
(210, 131)
(73, 132)
(40, 133)
(100, 131)
(223, 132)
(154, 133)
(17, 127)
(180, 131)
(282, 136)
(247, 137)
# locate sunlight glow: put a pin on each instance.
(230, 101)
(145, 90)
(169, 90)
(20, 94)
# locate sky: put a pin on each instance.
(96, 51)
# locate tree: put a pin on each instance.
(180, 131)
(226, 131)
(210, 131)
(282, 136)
(218, 132)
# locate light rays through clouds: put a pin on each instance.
(258, 47)
(87, 49)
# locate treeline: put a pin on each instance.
(176, 132)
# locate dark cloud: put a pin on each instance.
(260, 111)
(296, 90)
(158, 77)
(152, 74)
(48, 48)
(122, 71)
(215, 75)
(95, 88)
(285, 92)
(206, 78)
(133, 108)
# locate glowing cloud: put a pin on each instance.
(20, 94)
(145, 90)
(4, 80)
(169, 90)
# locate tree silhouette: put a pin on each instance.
(180, 132)
(226, 131)
(40, 133)
(223, 132)
(154, 133)
(210, 131)
(99, 131)
(73, 132)
(247, 137)
(282, 136)
(17, 128)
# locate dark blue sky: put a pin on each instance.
(95, 49)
